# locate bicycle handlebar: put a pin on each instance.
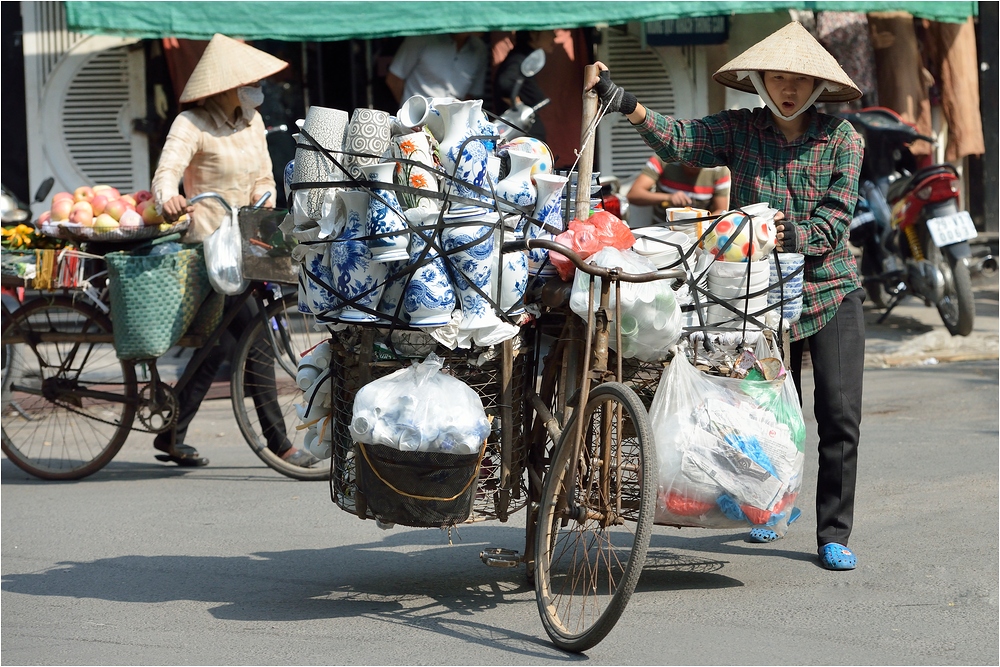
(225, 204)
(611, 274)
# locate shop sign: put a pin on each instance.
(686, 31)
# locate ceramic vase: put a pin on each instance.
(471, 268)
(414, 147)
(516, 187)
(548, 210)
(358, 279)
(367, 140)
(467, 165)
(388, 305)
(386, 226)
(429, 298)
(509, 279)
(317, 284)
(329, 128)
(537, 147)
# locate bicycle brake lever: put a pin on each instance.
(260, 202)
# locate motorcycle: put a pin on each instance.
(913, 237)
(518, 119)
(13, 211)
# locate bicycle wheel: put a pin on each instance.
(68, 401)
(595, 518)
(267, 355)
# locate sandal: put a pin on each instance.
(835, 556)
(300, 457)
(183, 455)
(762, 535)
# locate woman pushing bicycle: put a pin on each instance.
(219, 145)
(805, 164)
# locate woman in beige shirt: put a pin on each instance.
(220, 146)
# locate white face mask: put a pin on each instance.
(250, 98)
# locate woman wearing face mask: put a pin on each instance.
(219, 145)
(806, 165)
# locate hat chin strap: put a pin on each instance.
(758, 84)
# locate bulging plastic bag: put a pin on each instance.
(651, 318)
(601, 230)
(729, 450)
(224, 257)
(420, 409)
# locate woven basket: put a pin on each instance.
(154, 299)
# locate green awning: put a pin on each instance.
(331, 21)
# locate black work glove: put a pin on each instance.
(613, 96)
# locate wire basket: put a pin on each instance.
(267, 251)
(363, 354)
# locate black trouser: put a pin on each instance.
(838, 359)
(260, 385)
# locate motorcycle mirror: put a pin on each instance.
(43, 189)
(533, 64)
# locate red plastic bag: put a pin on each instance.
(587, 237)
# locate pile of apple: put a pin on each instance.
(103, 208)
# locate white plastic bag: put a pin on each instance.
(224, 257)
(729, 450)
(420, 409)
(651, 318)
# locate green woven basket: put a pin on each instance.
(154, 299)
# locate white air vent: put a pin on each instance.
(93, 108)
(81, 95)
(644, 74)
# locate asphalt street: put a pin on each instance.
(145, 563)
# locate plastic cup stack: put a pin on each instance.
(790, 262)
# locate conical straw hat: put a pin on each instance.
(791, 49)
(227, 64)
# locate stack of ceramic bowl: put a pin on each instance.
(662, 246)
(727, 281)
(791, 290)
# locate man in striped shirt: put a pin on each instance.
(806, 165)
(664, 185)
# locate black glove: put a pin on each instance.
(613, 96)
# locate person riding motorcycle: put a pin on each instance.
(806, 165)
(219, 145)
(509, 71)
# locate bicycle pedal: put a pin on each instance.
(500, 557)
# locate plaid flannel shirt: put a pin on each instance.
(812, 180)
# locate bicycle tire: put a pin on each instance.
(296, 335)
(53, 427)
(595, 556)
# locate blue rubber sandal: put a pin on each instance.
(763, 535)
(835, 556)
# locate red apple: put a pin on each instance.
(61, 209)
(150, 215)
(45, 217)
(142, 195)
(83, 193)
(108, 191)
(98, 203)
(62, 195)
(82, 214)
(130, 199)
(116, 207)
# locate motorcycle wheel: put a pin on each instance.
(957, 308)
(873, 288)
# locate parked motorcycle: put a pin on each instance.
(913, 236)
(13, 211)
(518, 119)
